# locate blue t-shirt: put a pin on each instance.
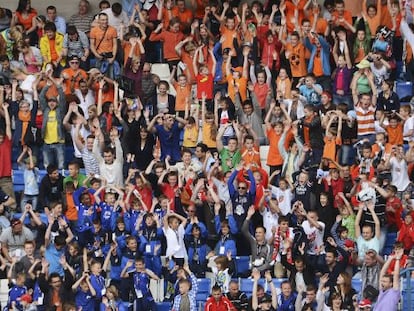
(170, 142)
(312, 97)
(85, 300)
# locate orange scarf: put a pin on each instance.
(25, 118)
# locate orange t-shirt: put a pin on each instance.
(182, 94)
(206, 135)
(53, 54)
(317, 65)
(71, 211)
(185, 17)
(274, 157)
(251, 157)
(329, 151)
(374, 22)
(241, 83)
(26, 21)
(70, 74)
(228, 37)
(395, 135)
(284, 86)
(106, 46)
(56, 301)
(261, 93)
(297, 59)
(290, 14)
(126, 46)
(187, 59)
(170, 40)
(347, 16)
(106, 96)
(51, 92)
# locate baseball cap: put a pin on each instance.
(365, 303)
(26, 298)
(14, 222)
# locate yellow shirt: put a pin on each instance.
(51, 132)
(190, 136)
(207, 139)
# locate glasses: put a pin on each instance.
(73, 62)
(242, 188)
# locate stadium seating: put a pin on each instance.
(163, 306)
(389, 243)
(204, 287)
(404, 90)
(357, 285)
(243, 266)
(246, 285)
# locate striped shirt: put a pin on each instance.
(90, 162)
(77, 47)
(82, 23)
(365, 120)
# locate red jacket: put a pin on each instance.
(223, 304)
(406, 235)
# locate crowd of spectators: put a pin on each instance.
(277, 135)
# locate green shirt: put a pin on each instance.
(228, 160)
(78, 181)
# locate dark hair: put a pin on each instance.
(50, 7)
(51, 168)
(71, 30)
(60, 240)
(186, 150)
(116, 8)
(108, 149)
(215, 288)
(203, 147)
(50, 26)
(21, 6)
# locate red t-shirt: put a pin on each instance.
(205, 84)
(5, 158)
(170, 193)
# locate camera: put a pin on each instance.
(367, 194)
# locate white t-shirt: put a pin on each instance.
(399, 174)
(284, 198)
(315, 236)
(364, 246)
(269, 221)
(408, 126)
(175, 242)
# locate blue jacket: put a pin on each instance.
(325, 53)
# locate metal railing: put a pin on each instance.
(405, 276)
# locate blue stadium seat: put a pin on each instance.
(278, 282)
(204, 286)
(246, 285)
(18, 180)
(42, 216)
(357, 285)
(389, 243)
(404, 89)
(163, 306)
(243, 266)
(408, 299)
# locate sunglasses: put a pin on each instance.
(242, 188)
(73, 62)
